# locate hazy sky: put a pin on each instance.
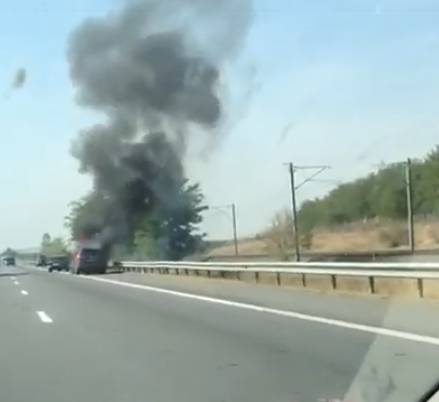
(356, 84)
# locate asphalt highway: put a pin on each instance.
(138, 338)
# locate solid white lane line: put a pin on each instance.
(44, 317)
(409, 336)
(23, 292)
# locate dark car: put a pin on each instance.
(9, 261)
(59, 263)
(89, 259)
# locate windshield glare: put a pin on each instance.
(219, 200)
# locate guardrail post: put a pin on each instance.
(372, 285)
(420, 284)
(385, 278)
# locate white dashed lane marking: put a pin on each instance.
(44, 317)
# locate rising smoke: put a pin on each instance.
(154, 70)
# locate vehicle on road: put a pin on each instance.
(9, 261)
(90, 258)
(41, 261)
(59, 263)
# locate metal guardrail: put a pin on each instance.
(400, 270)
(363, 256)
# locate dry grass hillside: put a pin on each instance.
(359, 236)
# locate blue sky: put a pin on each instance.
(357, 82)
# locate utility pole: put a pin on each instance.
(294, 210)
(294, 187)
(409, 200)
(232, 208)
(409, 189)
(235, 231)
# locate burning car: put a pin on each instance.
(91, 257)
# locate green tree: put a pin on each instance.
(52, 247)
(168, 231)
(45, 243)
(177, 235)
(81, 215)
(171, 231)
(57, 247)
(144, 241)
(380, 194)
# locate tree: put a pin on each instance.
(143, 242)
(52, 247)
(167, 231)
(81, 215)
(57, 247)
(378, 195)
(280, 235)
(171, 231)
(45, 243)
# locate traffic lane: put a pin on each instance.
(18, 270)
(277, 356)
(109, 343)
(33, 357)
(415, 316)
(21, 335)
(419, 316)
(12, 298)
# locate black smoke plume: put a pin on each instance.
(153, 69)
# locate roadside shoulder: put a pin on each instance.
(416, 316)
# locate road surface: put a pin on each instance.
(92, 339)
